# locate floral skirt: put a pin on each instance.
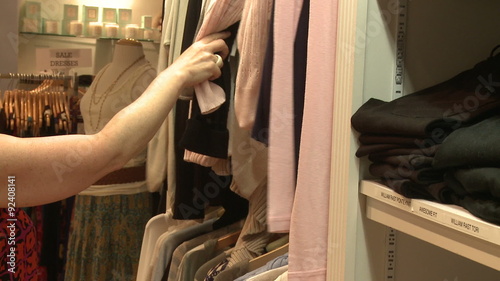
(106, 237)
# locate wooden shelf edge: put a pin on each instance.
(387, 208)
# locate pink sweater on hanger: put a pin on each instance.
(221, 15)
(282, 168)
(309, 227)
(252, 40)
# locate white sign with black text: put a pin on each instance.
(47, 58)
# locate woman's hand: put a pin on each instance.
(198, 62)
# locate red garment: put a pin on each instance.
(22, 264)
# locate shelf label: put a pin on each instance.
(395, 199)
(48, 58)
(385, 194)
(465, 225)
(427, 212)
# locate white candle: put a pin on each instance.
(131, 31)
(51, 26)
(76, 28)
(95, 29)
(111, 30)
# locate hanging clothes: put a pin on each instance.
(308, 254)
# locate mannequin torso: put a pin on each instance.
(117, 85)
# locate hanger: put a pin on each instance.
(6, 106)
(10, 110)
(267, 257)
(227, 241)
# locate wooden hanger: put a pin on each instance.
(6, 106)
(10, 110)
(267, 257)
(17, 110)
(227, 241)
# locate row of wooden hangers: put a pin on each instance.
(231, 239)
(28, 112)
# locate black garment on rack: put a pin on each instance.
(207, 134)
(3, 121)
(260, 130)
(299, 74)
(436, 111)
(196, 184)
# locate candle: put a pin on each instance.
(51, 26)
(111, 30)
(131, 31)
(76, 28)
(95, 29)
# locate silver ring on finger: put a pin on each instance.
(218, 61)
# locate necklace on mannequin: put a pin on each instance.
(104, 96)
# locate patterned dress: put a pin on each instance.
(22, 264)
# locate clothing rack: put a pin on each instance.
(36, 78)
(41, 106)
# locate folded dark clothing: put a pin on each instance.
(473, 146)
(420, 176)
(454, 184)
(428, 151)
(394, 139)
(413, 160)
(436, 111)
(483, 207)
(437, 192)
(478, 180)
(366, 149)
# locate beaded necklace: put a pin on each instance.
(106, 93)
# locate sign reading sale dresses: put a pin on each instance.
(49, 59)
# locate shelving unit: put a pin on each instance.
(73, 36)
(443, 38)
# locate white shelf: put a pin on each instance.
(446, 226)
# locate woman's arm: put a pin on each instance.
(49, 169)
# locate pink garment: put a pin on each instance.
(221, 15)
(282, 170)
(252, 40)
(309, 227)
